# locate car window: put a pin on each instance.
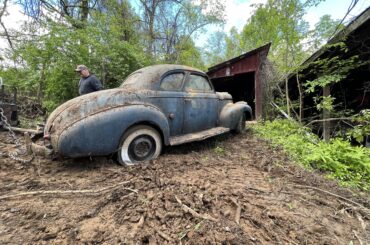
(197, 83)
(172, 81)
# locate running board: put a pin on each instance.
(177, 140)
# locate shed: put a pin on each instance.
(352, 92)
(241, 77)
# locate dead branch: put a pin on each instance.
(187, 209)
(328, 120)
(334, 195)
(358, 238)
(161, 234)
(281, 111)
(238, 210)
(2, 12)
(25, 130)
(137, 226)
(66, 192)
(170, 215)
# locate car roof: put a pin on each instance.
(147, 76)
(156, 71)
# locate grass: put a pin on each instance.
(338, 159)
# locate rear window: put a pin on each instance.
(132, 79)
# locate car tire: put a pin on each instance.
(138, 144)
(240, 127)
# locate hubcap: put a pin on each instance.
(141, 148)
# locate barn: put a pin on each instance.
(241, 77)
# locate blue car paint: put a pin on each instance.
(93, 124)
(101, 134)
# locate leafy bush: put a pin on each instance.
(338, 158)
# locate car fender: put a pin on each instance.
(100, 133)
(231, 112)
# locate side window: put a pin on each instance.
(172, 82)
(197, 83)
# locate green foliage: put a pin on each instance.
(322, 81)
(324, 103)
(362, 127)
(338, 158)
(169, 26)
(280, 22)
(219, 150)
(107, 45)
(107, 36)
(329, 71)
(325, 28)
(189, 54)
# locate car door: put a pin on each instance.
(200, 104)
(171, 100)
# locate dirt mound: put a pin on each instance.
(229, 190)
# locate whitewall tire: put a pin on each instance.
(140, 143)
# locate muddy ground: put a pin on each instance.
(226, 190)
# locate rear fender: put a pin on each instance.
(231, 113)
(100, 134)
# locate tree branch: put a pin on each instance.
(329, 120)
(3, 26)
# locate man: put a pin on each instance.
(88, 82)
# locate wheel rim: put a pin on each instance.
(141, 148)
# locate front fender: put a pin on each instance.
(246, 109)
(100, 134)
(231, 113)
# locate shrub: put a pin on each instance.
(337, 158)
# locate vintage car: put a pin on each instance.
(155, 106)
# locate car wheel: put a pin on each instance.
(240, 127)
(138, 144)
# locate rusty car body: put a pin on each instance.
(155, 106)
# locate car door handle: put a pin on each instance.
(187, 100)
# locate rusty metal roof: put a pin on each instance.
(265, 47)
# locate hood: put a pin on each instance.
(224, 96)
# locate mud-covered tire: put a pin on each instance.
(240, 127)
(140, 143)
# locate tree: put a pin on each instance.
(74, 12)
(107, 44)
(168, 23)
(215, 48)
(324, 30)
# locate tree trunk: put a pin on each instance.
(40, 94)
(300, 99)
(326, 115)
(84, 10)
(287, 96)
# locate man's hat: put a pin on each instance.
(81, 68)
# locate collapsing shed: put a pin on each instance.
(346, 56)
(241, 77)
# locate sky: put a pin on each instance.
(237, 14)
(238, 11)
